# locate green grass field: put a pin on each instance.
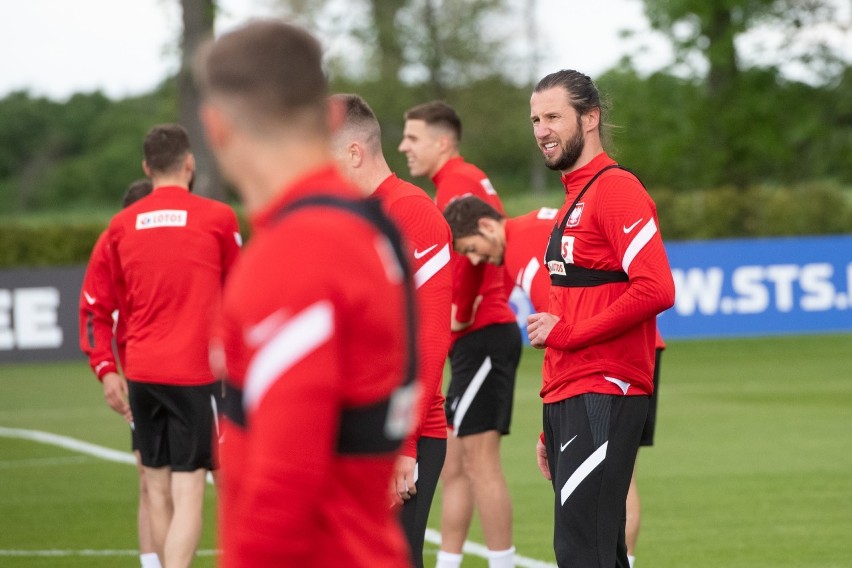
(752, 465)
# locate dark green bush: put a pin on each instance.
(47, 245)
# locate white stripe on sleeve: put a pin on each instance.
(642, 238)
(296, 339)
(528, 274)
(431, 267)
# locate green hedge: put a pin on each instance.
(47, 245)
(816, 208)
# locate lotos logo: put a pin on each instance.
(574, 219)
(556, 267)
(161, 218)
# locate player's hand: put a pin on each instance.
(541, 459)
(115, 393)
(402, 483)
(455, 324)
(539, 327)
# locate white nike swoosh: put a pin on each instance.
(89, 298)
(631, 227)
(418, 254)
(565, 445)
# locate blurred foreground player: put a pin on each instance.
(317, 325)
(103, 339)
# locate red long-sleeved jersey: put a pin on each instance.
(98, 301)
(430, 242)
(170, 253)
(456, 179)
(523, 257)
(526, 240)
(604, 341)
(313, 322)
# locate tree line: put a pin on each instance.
(744, 131)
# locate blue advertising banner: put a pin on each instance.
(728, 288)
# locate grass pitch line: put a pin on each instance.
(69, 444)
(477, 549)
(84, 552)
(109, 454)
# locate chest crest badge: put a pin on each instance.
(574, 219)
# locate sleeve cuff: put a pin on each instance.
(103, 368)
(559, 336)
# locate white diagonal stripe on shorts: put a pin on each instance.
(296, 339)
(470, 393)
(431, 267)
(583, 472)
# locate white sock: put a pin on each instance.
(150, 560)
(501, 558)
(631, 560)
(448, 560)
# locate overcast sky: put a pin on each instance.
(55, 48)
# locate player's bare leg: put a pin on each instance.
(158, 481)
(147, 550)
(456, 499)
(185, 528)
(490, 491)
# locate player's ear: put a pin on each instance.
(190, 161)
(146, 169)
(487, 225)
(445, 142)
(216, 127)
(355, 154)
(591, 119)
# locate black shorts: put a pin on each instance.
(647, 438)
(591, 443)
(175, 424)
(483, 364)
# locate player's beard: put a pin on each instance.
(570, 153)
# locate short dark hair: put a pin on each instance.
(272, 69)
(165, 147)
(582, 93)
(437, 113)
(463, 215)
(361, 118)
(136, 191)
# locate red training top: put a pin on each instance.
(604, 341)
(312, 322)
(526, 240)
(430, 243)
(458, 178)
(170, 253)
(98, 302)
